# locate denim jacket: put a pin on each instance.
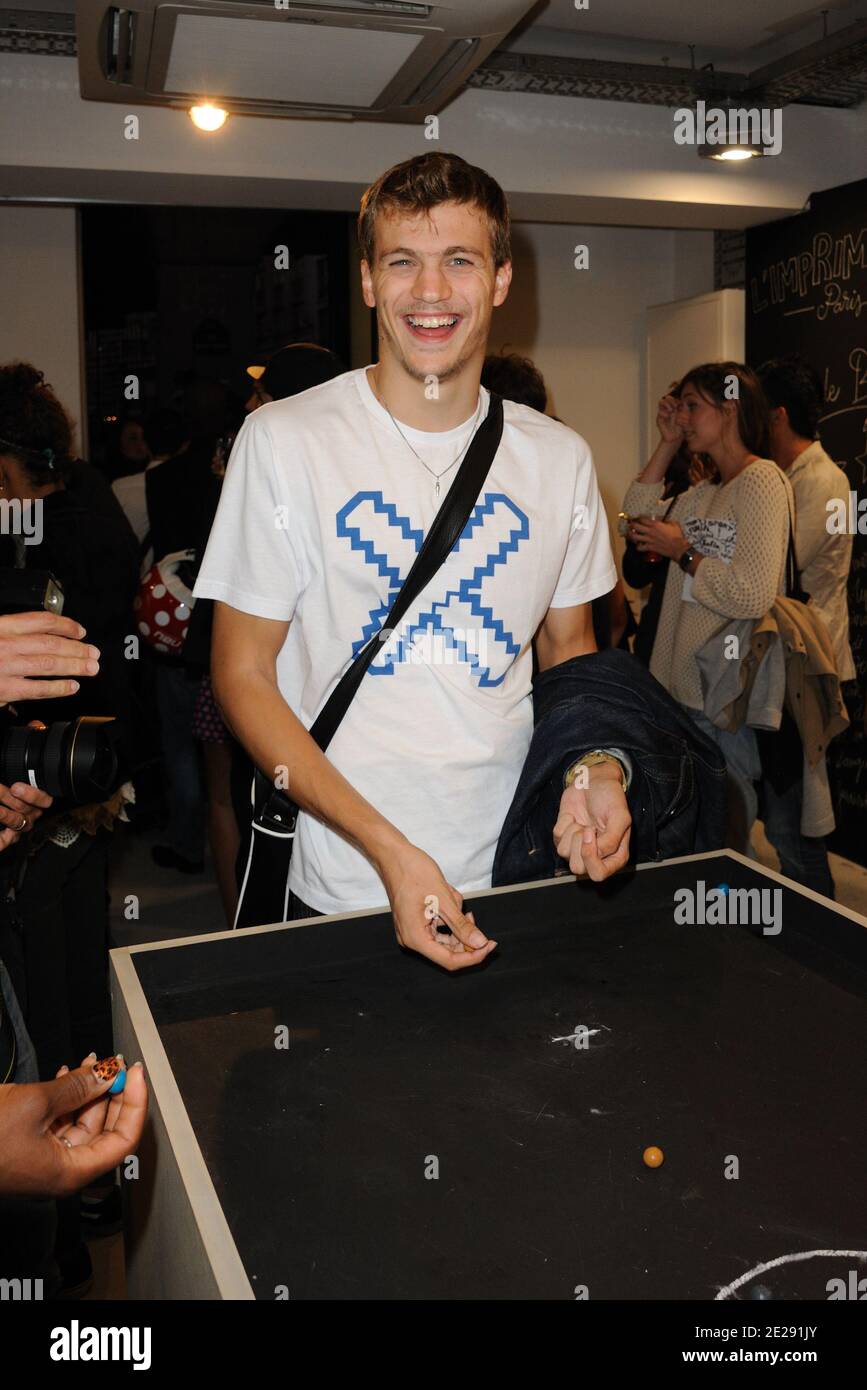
(677, 795)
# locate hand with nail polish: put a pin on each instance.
(112, 1069)
(57, 1137)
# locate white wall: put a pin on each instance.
(585, 329)
(703, 328)
(39, 322)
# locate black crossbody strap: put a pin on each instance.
(793, 574)
(445, 530)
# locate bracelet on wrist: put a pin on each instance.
(588, 760)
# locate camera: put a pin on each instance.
(26, 591)
(76, 759)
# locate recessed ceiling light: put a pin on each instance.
(730, 152)
(207, 116)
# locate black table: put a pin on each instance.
(480, 1135)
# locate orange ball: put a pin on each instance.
(653, 1157)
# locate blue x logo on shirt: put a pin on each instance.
(502, 527)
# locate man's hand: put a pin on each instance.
(593, 824)
(20, 803)
(421, 900)
(34, 646)
(57, 1137)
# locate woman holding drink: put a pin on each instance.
(728, 540)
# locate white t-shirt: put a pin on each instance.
(130, 493)
(323, 509)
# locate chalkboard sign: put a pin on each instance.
(806, 285)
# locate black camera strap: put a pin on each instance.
(264, 892)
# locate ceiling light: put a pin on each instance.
(208, 117)
(730, 152)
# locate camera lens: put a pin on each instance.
(76, 760)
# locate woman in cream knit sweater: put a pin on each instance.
(727, 540)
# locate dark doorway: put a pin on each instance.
(172, 294)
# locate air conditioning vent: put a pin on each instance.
(393, 60)
(454, 62)
(120, 43)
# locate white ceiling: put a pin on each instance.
(735, 35)
(736, 25)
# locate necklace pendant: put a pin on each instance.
(437, 492)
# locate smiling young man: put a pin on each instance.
(327, 499)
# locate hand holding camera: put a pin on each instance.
(20, 806)
(41, 654)
(36, 648)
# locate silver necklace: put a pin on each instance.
(430, 470)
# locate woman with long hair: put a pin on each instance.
(641, 571)
(728, 540)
